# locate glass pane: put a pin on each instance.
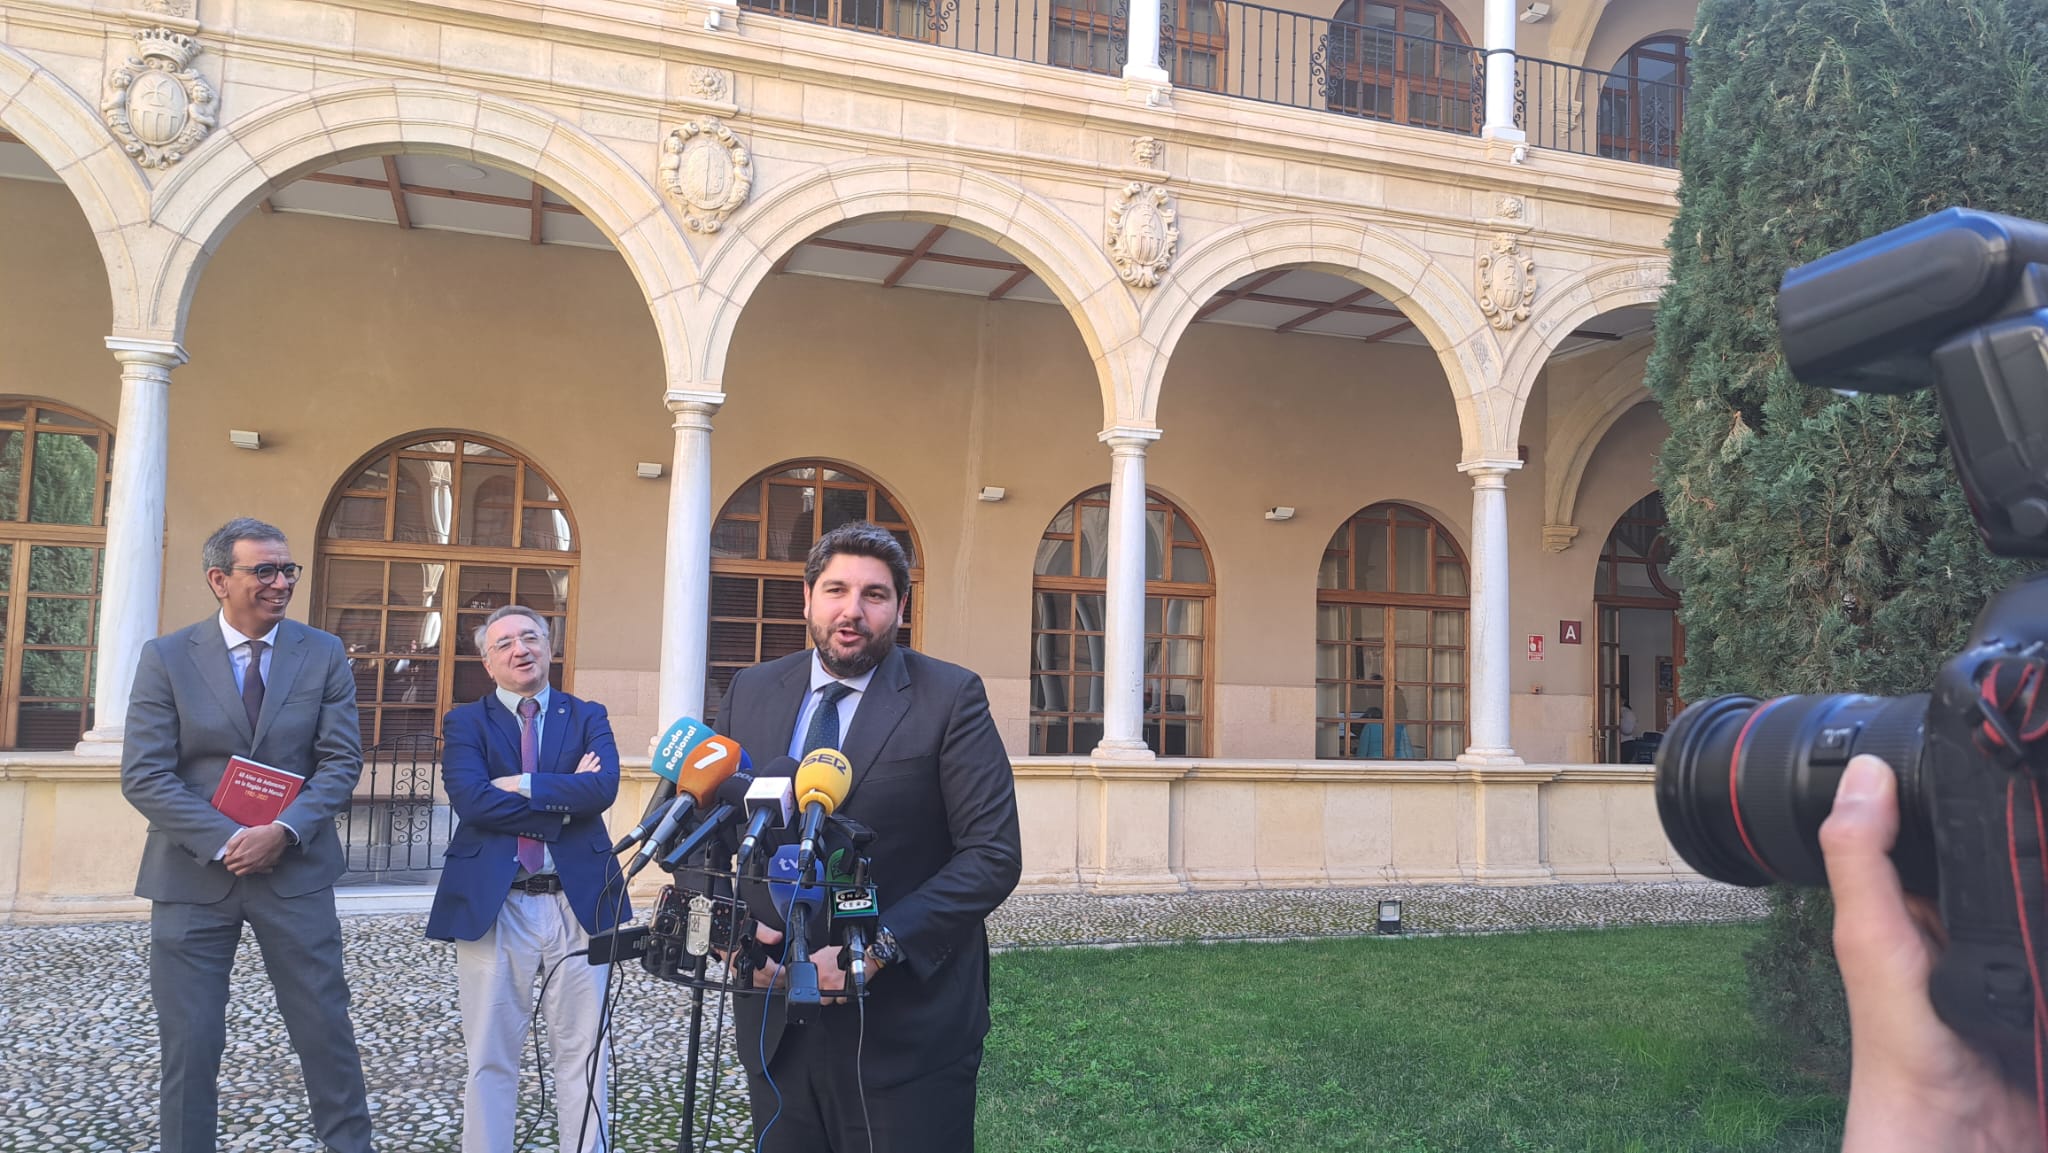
(1086, 732)
(844, 506)
(1183, 532)
(412, 632)
(1155, 545)
(1087, 697)
(1090, 654)
(1089, 615)
(1190, 565)
(489, 497)
(1368, 623)
(400, 724)
(1155, 615)
(48, 725)
(1447, 666)
(1450, 579)
(483, 587)
(1446, 742)
(1094, 540)
(414, 583)
(52, 621)
(1051, 652)
(14, 412)
(544, 589)
(1052, 611)
(376, 475)
(10, 474)
(546, 529)
(60, 569)
(909, 549)
(789, 523)
(1329, 622)
(1184, 617)
(472, 448)
(1055, 558)
(1329, 700)
(447, 446)
(1447, 628)
(357, 628)
(1062, 521)
(1411, 558)
(466, 625)
(745, 502)
(1331, 571)
(1411, 665)
(65, 487)
(1184, 657)
(472, 681)
(1411, 626)
(782, 640)
(736, 539)
(365, 673)
(734, 596)
(1153, 653)
(1329, 740)
(425, 511)
(1369, 700)
(1049, 737)
(885, 512)
(798, 474)
(353, 582)
(783, 600)
(1447, 704)
(1372, 557)
(1329, 664)
(408, 681)
(357, 518)
(52, 674)
(1411, 742)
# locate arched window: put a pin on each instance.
(758, 548)
(1068, 623)
(1090, 35)
(1406, 61)
(1391, 605)
(420, 541)
(1642, 104)
(53, 534)
(1641, 637)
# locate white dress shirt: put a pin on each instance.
(848, 704)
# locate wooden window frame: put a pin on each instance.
(1093, 24)
(23, 536)
(1153, 717)
(516, 559)
(1670, 48)
(1348, 67)
(1442, 547)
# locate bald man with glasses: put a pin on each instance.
(245, 682)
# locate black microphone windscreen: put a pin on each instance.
(779, 767)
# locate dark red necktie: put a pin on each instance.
(532, 851)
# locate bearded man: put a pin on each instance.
(932, 780)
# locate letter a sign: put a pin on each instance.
(1568, 632)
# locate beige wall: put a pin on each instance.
(329, 337)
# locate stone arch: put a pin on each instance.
(1577, 434)
(1560, 310)
(224, 178)
(1442, 309)
(1052, 244)
(67, 133)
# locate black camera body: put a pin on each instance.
(1958, 300)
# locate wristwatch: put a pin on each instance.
(884, 950)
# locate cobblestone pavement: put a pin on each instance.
(78, 1062)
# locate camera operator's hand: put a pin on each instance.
(1913, 1083)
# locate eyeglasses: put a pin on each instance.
(528, 639)
(266, 573)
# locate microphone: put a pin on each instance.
(822, 782)
(686, 734)
(713, 760)
(732, 800)
(769, 801)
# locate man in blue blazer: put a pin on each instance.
(529, 877)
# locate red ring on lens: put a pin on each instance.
(1735, 773)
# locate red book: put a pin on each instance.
(252, 793)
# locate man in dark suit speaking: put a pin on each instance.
(930, 777)
(245, 682)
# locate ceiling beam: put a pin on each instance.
(538, 205)
(1589, 334)
(1321, 311)
(267, 207)
(392, 182)
(1003, 289)
(443, 193)
(899, 253)
(1390, 330)
(1350, 309)
(1226, 299)
(910, 260)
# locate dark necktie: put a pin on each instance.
(824, 730)
(532, 852)
(252, 684)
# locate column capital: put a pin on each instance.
(1488, 473)
(141, 350)
(706, 399)
(1127, 438)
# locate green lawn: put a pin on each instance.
(1625, 1039)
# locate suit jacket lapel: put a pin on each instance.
(287, 656)
(883, 705)
(506, 725)
(787, 703)
(553, 730)
(209, 653)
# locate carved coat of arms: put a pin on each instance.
(156, 105)
(708, 171)
(1142, 234)
(1507, 282)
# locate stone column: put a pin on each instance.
(1141, 48)
(1123, 683)
(1493, 647)
(1500, 73)
(686, 575)
(132, 573)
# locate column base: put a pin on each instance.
(1122, 750)
(1113, 883)
(101, 742)
(1151, 85)
(1502, 758)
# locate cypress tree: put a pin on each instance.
(1824, 541)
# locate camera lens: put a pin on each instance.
(1743, 785)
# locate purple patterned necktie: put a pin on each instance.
(531, 850)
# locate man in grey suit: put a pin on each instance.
(245, 682)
